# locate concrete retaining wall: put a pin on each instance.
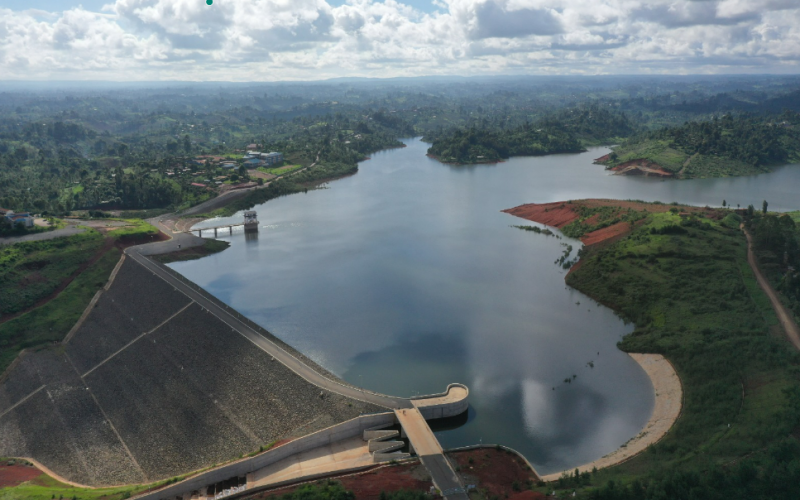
(241, 468)
(442, 410)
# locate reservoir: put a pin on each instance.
(406, 277)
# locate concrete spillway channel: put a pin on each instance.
(131, 398)
(355, 445)
(383, 446)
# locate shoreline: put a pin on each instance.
(668, 392)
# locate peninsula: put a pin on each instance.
(681, 275)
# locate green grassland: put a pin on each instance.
(208, 248)
(30, 271)
(296, 183)
(52, 321)
(684, 281)
(45, 487)
(726, 146)
(673, 160)
(137, 231)
(287, 169)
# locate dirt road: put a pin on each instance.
(784, 316)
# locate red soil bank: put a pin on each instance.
(369, 485)
(557, 214)
(613, 231)
(603, 158)
(13, 475)
(497, 472)
(641, 167)
(560, 214)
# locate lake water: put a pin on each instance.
(406, 277)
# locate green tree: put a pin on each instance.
(764, 207)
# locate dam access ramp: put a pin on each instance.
(423, 441)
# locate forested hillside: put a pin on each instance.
(730, 145)
(564, 132)
(56, 165)
(137, 148)
(777, 245)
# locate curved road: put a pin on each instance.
(784, 316)
(225, 198)
(49, 235)
(229, 317)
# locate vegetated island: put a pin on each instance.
(722, 147)
(681, 275)
(566, 132)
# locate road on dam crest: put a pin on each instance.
(228, 317)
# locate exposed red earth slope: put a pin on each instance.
(639, 166)
(557, 214)
(500, 473)
(560, 214)
(13, 475)
(368, 485)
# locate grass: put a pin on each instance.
(208, 248)
(694, 299)
(45, 487)
(795, 215)
(673, 160)
(280, 170)
(289, 184)
(31, 271)
(143, 214)
(137, 231)
(52, 321)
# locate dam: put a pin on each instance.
(160, 379)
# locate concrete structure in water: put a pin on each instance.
(250, 225)
(250, 221)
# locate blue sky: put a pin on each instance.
(254, 40)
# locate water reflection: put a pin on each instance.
(407, 277)
(251, 237)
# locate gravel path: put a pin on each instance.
(784, 316)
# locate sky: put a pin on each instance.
(274, 40)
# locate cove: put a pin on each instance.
(406, 277)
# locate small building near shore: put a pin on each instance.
(272, 158)
(23, 218)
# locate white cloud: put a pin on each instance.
(310, 39)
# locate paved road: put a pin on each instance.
(784, 316)
(430, 452)
(185, 240)
(57, 233)
(231, 318)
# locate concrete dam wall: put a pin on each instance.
(151, 386)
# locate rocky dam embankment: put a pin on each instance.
(151, 386)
